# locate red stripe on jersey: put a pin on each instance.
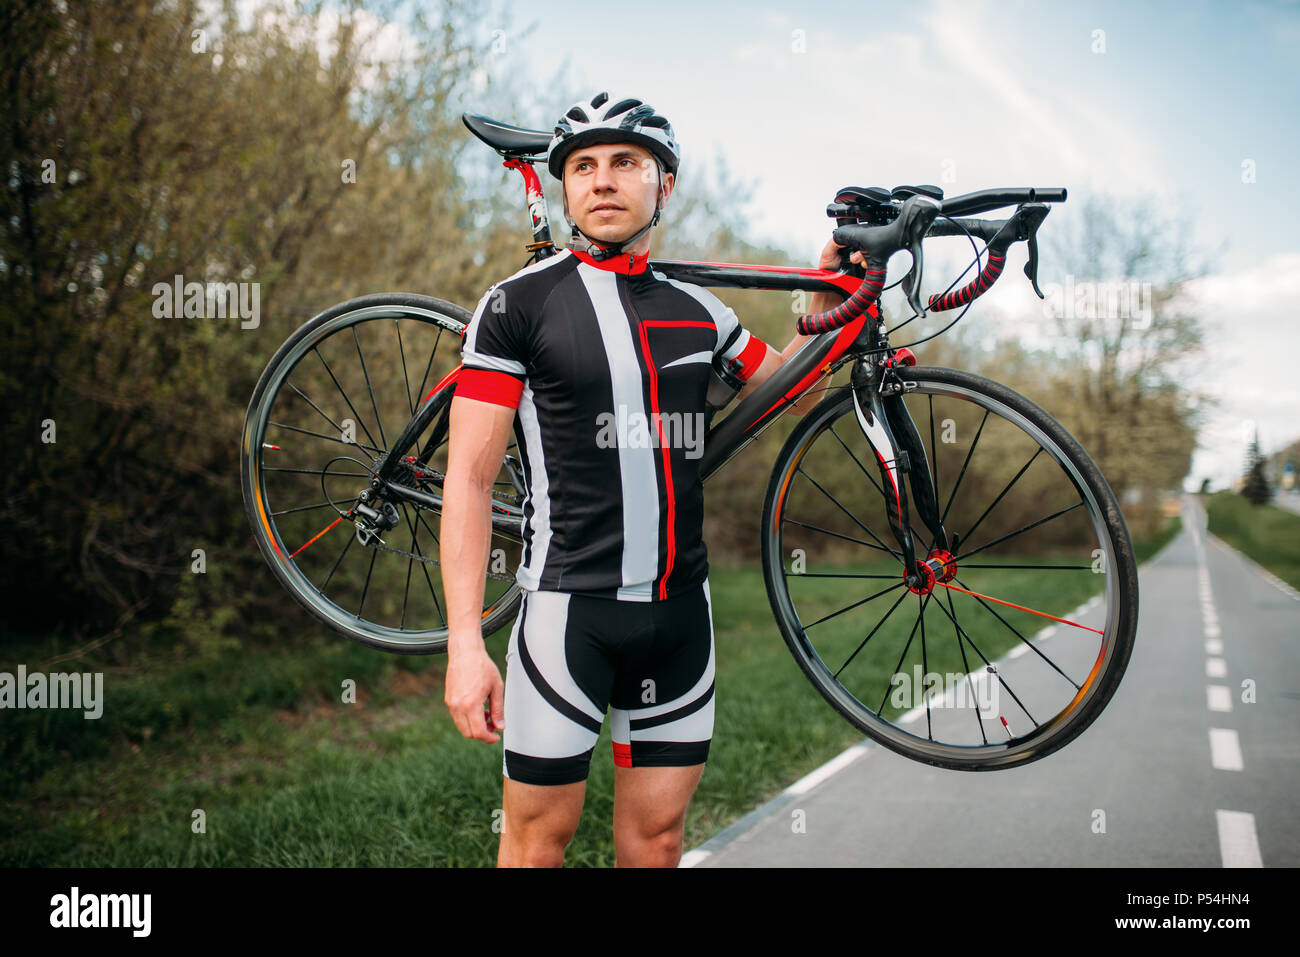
(487, 385)
(752, 356)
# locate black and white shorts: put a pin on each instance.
(573, 656)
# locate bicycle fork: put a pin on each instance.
(900, 454)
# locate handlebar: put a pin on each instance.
(915, 219)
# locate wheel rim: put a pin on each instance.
(341, 379)
(941, 730)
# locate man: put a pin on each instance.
(616, 607)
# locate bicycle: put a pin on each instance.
(1076, 547)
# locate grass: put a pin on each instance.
(261, 752)
(1268, 534)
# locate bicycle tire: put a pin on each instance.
(1118, 595)
(275, 391)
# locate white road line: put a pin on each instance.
(1225, 749)
(1216, 668)
(1213, 646)
(1218, 697)
(838, 763)
(1238, 842)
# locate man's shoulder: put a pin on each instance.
(538, 276)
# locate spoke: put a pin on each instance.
(374, 553)
(357, 415)
(366, 372)
(924, 601)
(1038, 651)
(925, 670)
(835, 575)
(943, 520)
(1018, 531)
(1014, 480)
(406, 380)
(424, 567)
(987, 663)
(313, 539)
(1046, 568)
(870, 633)
(429, 365)
(861, 601)
(827, 531)
(337, 561)
(934, 455)
(1010, 604)
(406, 591)
(328, 438)
(965, 663)
(365, 475)
(303, 508)
(847, 512)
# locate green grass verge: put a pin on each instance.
(284, 773)
(1268, 534)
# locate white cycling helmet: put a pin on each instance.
(603, 119)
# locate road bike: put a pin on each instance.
(946, 564)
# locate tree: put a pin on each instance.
(1256, 488)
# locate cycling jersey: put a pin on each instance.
(608, 364)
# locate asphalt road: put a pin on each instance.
(1175, 782)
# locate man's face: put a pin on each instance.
(612, 189)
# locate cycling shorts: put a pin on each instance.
(573, 656)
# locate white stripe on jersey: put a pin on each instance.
(636, 466)
(693, 357)
(469, 354)
(530, 576)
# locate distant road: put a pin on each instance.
(1289, 501)
(1180, 783)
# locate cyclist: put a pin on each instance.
(602, 367)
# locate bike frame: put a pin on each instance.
(877, 393)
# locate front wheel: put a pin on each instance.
(1018, 650)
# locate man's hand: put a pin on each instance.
(472, 679)
(830, 258)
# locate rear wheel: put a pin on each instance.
(327, 406)
(1017, 646)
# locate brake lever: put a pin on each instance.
(918, 213)
(1023, 227)
(1031, 267)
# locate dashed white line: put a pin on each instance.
(1238, 842)
(1225, 749)
(1216, 668)
(1218, 697)
(1213, 646)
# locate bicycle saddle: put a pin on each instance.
(506, 139)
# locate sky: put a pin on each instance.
(1196, 104)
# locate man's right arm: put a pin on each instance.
(479, 434)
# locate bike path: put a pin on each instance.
(1138, 788)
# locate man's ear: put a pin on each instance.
(666, 186)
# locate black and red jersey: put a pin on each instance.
(608, 364)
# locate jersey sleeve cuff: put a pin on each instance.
(486, 385)
(751, 357)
